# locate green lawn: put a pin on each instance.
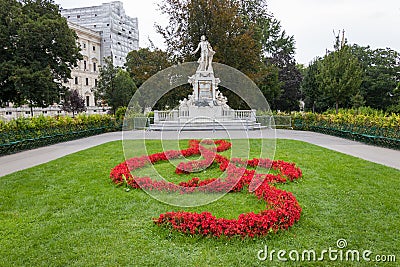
(68, 213)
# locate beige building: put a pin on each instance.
(86, 74)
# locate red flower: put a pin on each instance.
(282, 209)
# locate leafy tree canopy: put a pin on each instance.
(115, 86)
(36, 54)
(340, 74)
(144, 63)
(243, 34)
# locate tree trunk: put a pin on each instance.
(31, 106)
(337, 106)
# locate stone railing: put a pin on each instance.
(17, 112)
(166, 115)
(245, 114)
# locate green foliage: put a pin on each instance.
(340, 75)
(26, 133)
(381, 73)
(311, 88)
(289, 77)
(243, 34)
(357, 101)
(120, 113)
(363, 116)
(362, 124)
(34, 57)
(134, 111)
(231, 39)
(144, 63)
(270, 85)
(115, 86)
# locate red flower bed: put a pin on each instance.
(282, 209)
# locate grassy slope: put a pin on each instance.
(67, 212)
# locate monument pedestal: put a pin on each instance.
(205, 109)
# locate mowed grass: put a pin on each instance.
(68, 213)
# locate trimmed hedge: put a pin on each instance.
(374, 127)
(27, 133)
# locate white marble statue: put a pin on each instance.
(206, 55)
(301, 105)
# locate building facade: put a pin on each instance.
(119, 32)
(103, 31)
(86, 74)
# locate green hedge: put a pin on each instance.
(365, 125)
(27, 133)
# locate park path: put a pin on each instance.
(30, 158)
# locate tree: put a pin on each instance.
(115, 86)
(340, 74)
(381, 73)
(270, 85)
(290, 78)
(144, 63)
(35, 58)
(310, 86)
(242, 33)
(74, 102)
(233, 41)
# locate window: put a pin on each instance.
(84, 45)
(84, 64)
(87, 81)
(8, 113)
(94, 66)
(108, 24)
(94, 48)
(59, 111)
(78, 16)
(94, 26)
(87, 100)
(27, 112)
(95, 82)
(76, 80)
(44, 111)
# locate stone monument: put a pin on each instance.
(206, 108)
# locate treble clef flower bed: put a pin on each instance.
(282, 209)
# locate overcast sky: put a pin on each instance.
(312, 22)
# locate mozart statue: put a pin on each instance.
(206, 55)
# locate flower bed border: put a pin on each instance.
(282, 209)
